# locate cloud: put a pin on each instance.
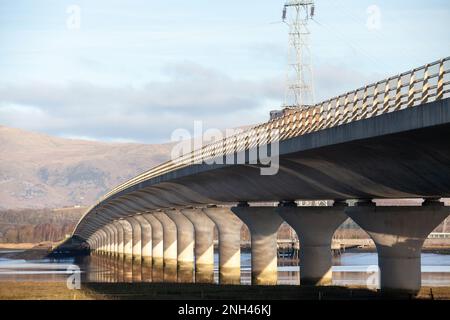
(150, 113)
(147, 114)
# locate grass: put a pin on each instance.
(10, 290)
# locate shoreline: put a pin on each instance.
(177, 291)
(27, 251)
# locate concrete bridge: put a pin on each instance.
(387, 140)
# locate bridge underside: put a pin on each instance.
(388, 156)
(405, 165)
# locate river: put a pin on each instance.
(351, 268)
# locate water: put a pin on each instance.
(351, 268)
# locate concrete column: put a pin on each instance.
(136, 236)
(157, 239)
(94, 243)
(157, 248)
(204, 244)
(185, 245)
(127, 239)
(263, 223)
(229, 227)
(315, 227)
(137, 249)
(120, 242)
(115, 249)
(170, 246)
(110, 245)
(399, 234)
(110, 239)
(103, 240)
(146, 238)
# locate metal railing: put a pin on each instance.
(421, 85)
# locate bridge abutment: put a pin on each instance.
(315, 227)
(263, 223)
(204, 244)
(185, 245)
(229, 228)
(170, 246)
(399, 233)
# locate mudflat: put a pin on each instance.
(10, 290)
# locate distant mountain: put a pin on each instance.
(40, 171)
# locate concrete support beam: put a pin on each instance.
(185, 245)
(146, 238)
(136, 235)
(315, 227)
(204, 244)
(399, 234)
(170, 246)
(127, 239)
(229, 228)
(263, 223)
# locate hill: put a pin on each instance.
(40, 171)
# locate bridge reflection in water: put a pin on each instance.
(354, 269)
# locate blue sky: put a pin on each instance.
(136, 70)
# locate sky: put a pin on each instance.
(136, 70)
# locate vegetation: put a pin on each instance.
(37, 225)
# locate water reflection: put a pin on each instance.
(349, 269)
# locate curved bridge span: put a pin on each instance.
(385, 140)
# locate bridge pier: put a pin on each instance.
(110, 245)
(127, 239)
(229, 228)
(103, 241)
(136, 236)
(204, 244)
(263, 223)
(157, 247)
(136, 249)
(399, 233)
(146, 238)
(315, 227)
(170, 246)
(185, 245)
(113, 232)
(94, 243)
(120, 243)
